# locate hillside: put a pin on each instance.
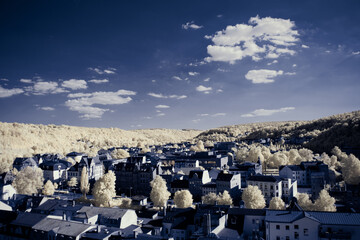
(17, 139)
(323, 134)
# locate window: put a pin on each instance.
(296, 227)
(253, 221)
(287, 227)
(277, 238)
(306, 232)
(278, 227)
(296, 235)
(287, 238)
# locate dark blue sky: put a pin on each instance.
(177, 64)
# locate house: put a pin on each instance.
(196, 179)
(270, 186)
(21, 227)
(21, 163)
(94, 166)
(139, 200)
(311, 225)
(178, 185)
(54, 171)
(246, 170)
(249, 223)
(49, 228)
(209, 187)
(295, 173)
(229, 182)
(178, 223)
(289, 189)
(210, 159)
(7, 192)
(110, 217)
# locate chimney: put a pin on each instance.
(207, 224)
(73, 203)
(64, 216)
(98, 228)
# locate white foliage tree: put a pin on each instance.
(84, 182)
(159, 193)
(183, 199)
(253, 198)
(49, 188)
(119, 154)
(350, 167)
(72, 182)
(325, 202)
(210, 198)
(304, 201)
(224, 198)
(104, 190)
(276, 203)
(28, 181)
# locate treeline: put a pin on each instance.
(322, 135)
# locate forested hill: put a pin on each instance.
(320, 135)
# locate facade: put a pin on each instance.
(229, 182)
(196, 179)
(54, 171)
(270, 186)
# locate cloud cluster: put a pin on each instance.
(267, 112)
(74, 84)
(159, 95)
(47, 108)
(44, 87)
(191, 25)
(261, 38)
(193, 73)
(100, 71)
(83, 102)
(263, 75)
(162, 106)
(9, 92)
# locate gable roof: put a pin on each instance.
(263, 178)
(112, 213)
(27, 219)
(61, 227)
(287, 216)
(224, 177)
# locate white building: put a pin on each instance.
(270, 186)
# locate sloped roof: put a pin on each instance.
(61, 227)
(224, 177)
(287, 216)
(27, 219)
(112, 213)
(263, 178)
(337, 218)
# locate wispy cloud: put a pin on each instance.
(191, 25)
(74, 84)
(23, 80)
(160, 114)
(47, 108)
(355, 53)
(177, 78)
(261, 38)
(100, 71)
(206, 79)
(9, 92)
(159, 95)
(218, 114)
(83, 104)
(262, 75)
(98, 81)
(193, 73)
(267, 112)
(162, 106)
(305, 46)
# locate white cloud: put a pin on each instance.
(47, 108)
(290, 73)
(153, 81)
(203, 114)
(162, 106)
(218, 114)
(328, 51)
(77, 95)
(177, 78)
(109, 70)
(243, 40)
(355, 53)
(193, 73)
(219, 16)
(294, 65)
(273, 62)
(98, 81)
(159, 95)
(191, 25)
(42, 88)
(206, 79)
(160, 114)
(23, 80)
(9, 92)
(267, 112)
(74, 84)
(304, 46)
(4, 79)
(202, 88)
(83, 103)
(219, 90)
(222, 70)
(262, 75)
(147, 117)
(196, 120)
